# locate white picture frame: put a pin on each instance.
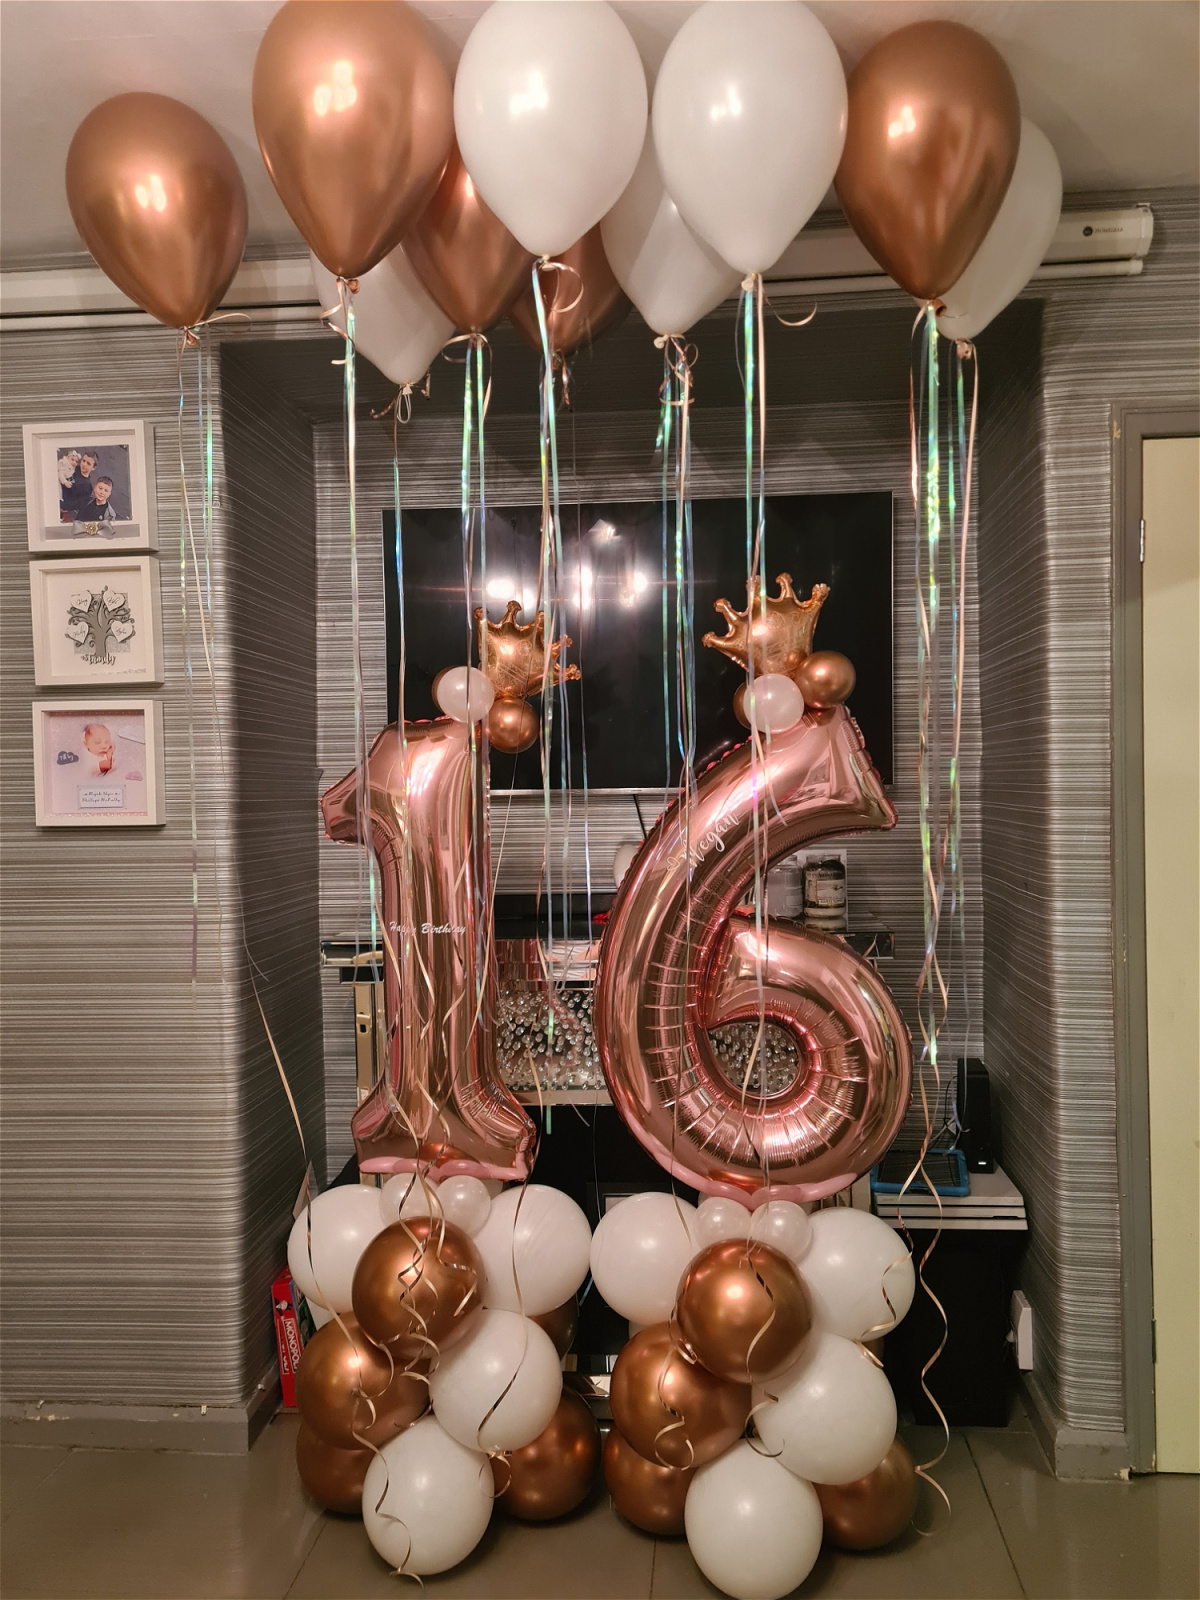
(67, 509)
(98, 763)
(96, 620)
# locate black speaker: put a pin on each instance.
(977, 1139)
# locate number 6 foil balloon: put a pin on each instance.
(439, 1104)
(679, 959)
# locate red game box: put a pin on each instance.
(294, 1327)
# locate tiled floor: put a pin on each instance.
(110, 1524)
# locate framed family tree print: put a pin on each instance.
(89, 486)
(96, 620)
(98, 763)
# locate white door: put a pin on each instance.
(1171, 766)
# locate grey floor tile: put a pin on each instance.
(592, 1555)
(23, 1469)
(1102, 1541)
(116, 1523)
(964, 1553)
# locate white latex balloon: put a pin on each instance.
(779, 1223)
(502, 1352)
(854, 1259)
(546, 1236)
(342, 1223)
(1014, 245)
(623, 860)
(464, 693)
(753, 1528)
(749, 122)
(550, 113)
(465, 1202)
(397, 325)
(832, 1416)
(407, 1195)
(672, 277)
(320, 1314)
(438, 1501)
(639, 1252)
(784, 1226)
(718, 1218)
(773, 703)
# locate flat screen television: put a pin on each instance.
(612, 556)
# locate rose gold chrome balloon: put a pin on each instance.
(339, 1379)
(649, 1496)
(159, 201)
(825, 679)
(873, 1510)
(552, 1475)
(416, 1285)
(666, 978)
(354, 115)
(742, 1310)
(464, 255)
(440, 1105)
(932, 137)
(333, 1477)
(671, 1409)
(512, 726)
(580, 304)
(561, 1324)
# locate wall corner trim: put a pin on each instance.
(214, 1431)
(1089, 1453)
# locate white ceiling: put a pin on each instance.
(1114, 84)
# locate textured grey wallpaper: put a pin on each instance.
(271, 554)
(1046, 636)
(123, 1191)
(149, 1158)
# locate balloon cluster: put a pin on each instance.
(772, 638)
(748, 1413)
(444, 1310)
(517, 664)
(433, 200)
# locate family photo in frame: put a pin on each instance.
(89, 485)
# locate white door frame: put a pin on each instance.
(1131, 425)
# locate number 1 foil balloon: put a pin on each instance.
(439, 1105)
(680, 958)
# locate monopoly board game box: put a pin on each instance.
(294, 1327)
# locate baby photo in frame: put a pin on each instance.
(89, 485)
(96, 620)
(98, 763)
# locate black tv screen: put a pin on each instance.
(613, 565)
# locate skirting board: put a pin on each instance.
(1074, 1452)
(203, 1430)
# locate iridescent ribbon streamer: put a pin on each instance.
(753, 362)
(549, 570)
(676, 396)
(940, 815)
(184, 515)
(363, 785)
